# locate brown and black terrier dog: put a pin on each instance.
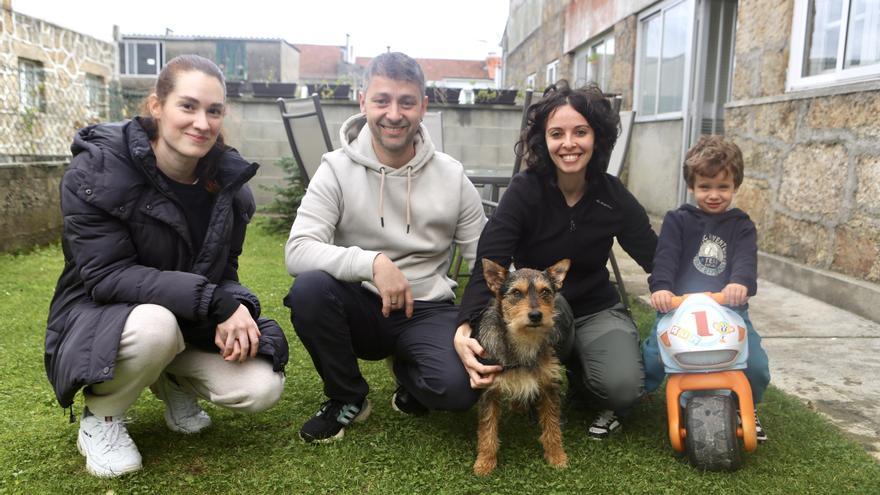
(517, 331)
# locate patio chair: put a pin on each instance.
(434, 122)
(493, 184)
(307, 133)
(615, 166)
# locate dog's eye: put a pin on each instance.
(516, 293)
(545, 292)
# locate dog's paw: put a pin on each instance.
(484, 466)
(557, 459)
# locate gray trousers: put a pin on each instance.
(602, 357)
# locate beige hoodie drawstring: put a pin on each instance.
(382, 198)
(408, 196)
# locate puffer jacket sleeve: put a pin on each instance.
(106, 258)
(244, 211)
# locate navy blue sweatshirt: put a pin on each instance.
(533, 227)
(700, 252)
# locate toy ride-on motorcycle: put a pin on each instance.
(704, 348)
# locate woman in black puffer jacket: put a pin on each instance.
(155, 211)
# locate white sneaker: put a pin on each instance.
(108, 449)
(182, 411)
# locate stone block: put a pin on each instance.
(774, 68)
(737, 122)
(746, 76)
(777, 120)
(755, 197)
(855, 112)
(857, 252)
(813, 180)
(761, 159)
(807, 242)
(868, 190)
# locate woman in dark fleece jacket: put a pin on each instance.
(566, 206)
(155, 211)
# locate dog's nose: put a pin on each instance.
(535, 316)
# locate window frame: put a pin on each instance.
(532, 80)
(37, 99)
(129, 52)
(660, 9)
(797, 61)
(96, 101)
(554, 67)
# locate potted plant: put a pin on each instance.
(443, 95)
(331, 91)
(273, 89)
(233, 88)
(489, 96)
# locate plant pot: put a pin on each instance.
(330, 91)
(495, 96)
(273, 89)
(233, 88)
(443, 95)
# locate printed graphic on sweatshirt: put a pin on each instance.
(711, 259)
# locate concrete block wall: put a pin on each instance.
(481, 137)
(30, 204)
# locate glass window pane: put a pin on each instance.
(824, 34)
(675, 23)
(147, 59)
(648, 64)
(863, 35)
(607, 63)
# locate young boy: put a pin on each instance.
(709, 247)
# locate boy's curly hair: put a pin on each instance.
(710, 156)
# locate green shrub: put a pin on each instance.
(282, 210)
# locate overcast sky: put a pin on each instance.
(465, 29)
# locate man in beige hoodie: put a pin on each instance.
(370, 248)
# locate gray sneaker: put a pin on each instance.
(105, 443)
(182, 411)
(604, 425)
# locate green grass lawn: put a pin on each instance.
(389, 453)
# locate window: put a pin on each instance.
(232, 59)
(833, 42)
(552, 69)
(530, 81)
(31, 85)
(663, 41)
(598, 62)
(97, 96)
(140, 58)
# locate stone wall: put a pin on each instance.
(479, 136)
(541, 47)
(67, 58)
(30, 204)
(812, 157)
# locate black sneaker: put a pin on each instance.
(760, 434)
(328, 424)
(403, 402)
(604, 425)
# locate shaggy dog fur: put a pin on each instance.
(517, 331)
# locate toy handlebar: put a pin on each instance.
(717, 296)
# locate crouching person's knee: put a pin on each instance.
(263, 391)
(309, 295)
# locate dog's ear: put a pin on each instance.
(557, 272)
(495, 275)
